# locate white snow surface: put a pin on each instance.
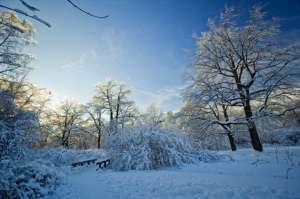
(247, 174)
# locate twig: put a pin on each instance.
(86, 12)
(30, 7)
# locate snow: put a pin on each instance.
(247, 174)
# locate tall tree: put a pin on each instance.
(67, 120)
(113, 97)
(18, 106)
(246, 61)
(208, 103)
(95, 113)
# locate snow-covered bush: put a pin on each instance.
(279, 130)
(285, 136)
(13, 142)
(151, 148)
(38, 173)
(27, 179)
(212, 138)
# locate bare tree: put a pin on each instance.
(247, 62)
(66, 120)
(113, 97)
(96, 115)
(210, 104)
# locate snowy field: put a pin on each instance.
(275, 173)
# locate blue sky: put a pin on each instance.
(146, 44)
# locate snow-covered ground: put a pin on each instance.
(275, 173)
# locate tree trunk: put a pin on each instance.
(255, 141)
(117, 113)
(230, 138)
(111, 122)
(63, 138)
(228, 129)
(231, 141)
(99, 140)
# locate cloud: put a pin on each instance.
(109, 49)
(85, 57)
(161, 98)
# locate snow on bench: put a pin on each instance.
(101, 163)
(81, 163)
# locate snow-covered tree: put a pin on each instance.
(246, 62)
(17, 127)
(112, 96)
(172, 120)
(29, 97)
(18, 118)
(209, 103)
(15, 34)
(153, 116)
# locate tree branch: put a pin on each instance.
(86, 12)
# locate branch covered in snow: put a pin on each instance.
(152, 148)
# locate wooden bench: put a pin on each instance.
(103, 164)
(81, 163)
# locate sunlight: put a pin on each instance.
(183, 99)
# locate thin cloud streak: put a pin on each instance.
(162, 96)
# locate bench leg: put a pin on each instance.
(103, 164)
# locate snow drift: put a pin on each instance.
(151, 148)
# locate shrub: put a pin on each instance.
(151, 148)
(21, 179)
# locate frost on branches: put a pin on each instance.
(16, 126)
(151, 148)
